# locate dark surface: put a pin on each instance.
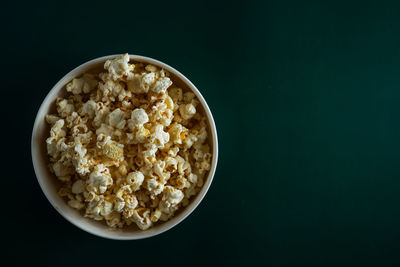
(306, 101)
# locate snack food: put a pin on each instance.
(128, 145)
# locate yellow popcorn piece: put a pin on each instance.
(76, 204)
(177, 133)
(62, 171)
(117, 119)
(100, 179)
(159, 137)
(154, 187)
(141, 217)
(188, 97)
(171, 198)
(141, 134)
(113, 150)
(169, 102)
(140, 83)
(135, 180)
(78, 187)
(176, 94)
(119, 67)
(161, 85)
(85, 84)
(187, 111)
(155, 215)
(110, 148)
(64, 107)
(151, 68)
(89, 108)
(51, 119)
(138, 117)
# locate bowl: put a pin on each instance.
(50, 184)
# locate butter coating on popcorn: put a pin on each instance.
(128, 145)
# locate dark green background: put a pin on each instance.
(305, 95)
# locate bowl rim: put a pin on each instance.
(165, 226)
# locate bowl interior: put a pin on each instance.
(50, 184)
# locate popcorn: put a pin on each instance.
(141, 134)
(173, 151)
(158, 168)
(188, 97)
(117, 119)
(159, 136)
(100, 179)
(147, 80)
(171, 164)
(135, 180)
(162, 114)
(78, 187)
(151, 68)
(191, 191)
(80, 150)
(138, 117)
(106, 208)
(130, 203)
(128, 145)
(170, 103)
(51, 119)
(155, 215)
(181, 182)
(76, 204)
(149, 155)
(176, 94)
(123, 190)
(89, 108)
(201, 136)
(57, 129)
(113, 219)
(119, 67)
(189, 141)
(187, 111)
(110, 148)
(177, 133)
(105, 130)
(161, 85)
(122, 169)
(140, 83)
(183, 165)
(142, 218)
(193, 178)
(64, 108)
(171, 198)
(154, 187)
(119, 205)
(62, 172)
(85, 84)
(90, 196)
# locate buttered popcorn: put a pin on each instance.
(128, 145)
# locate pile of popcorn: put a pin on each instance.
(128, 145)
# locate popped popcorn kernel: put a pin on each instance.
(135, 180)
(119, 67)
(85, 84)
(117, 119)
(138, 117)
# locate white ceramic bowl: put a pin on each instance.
(49, 183)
